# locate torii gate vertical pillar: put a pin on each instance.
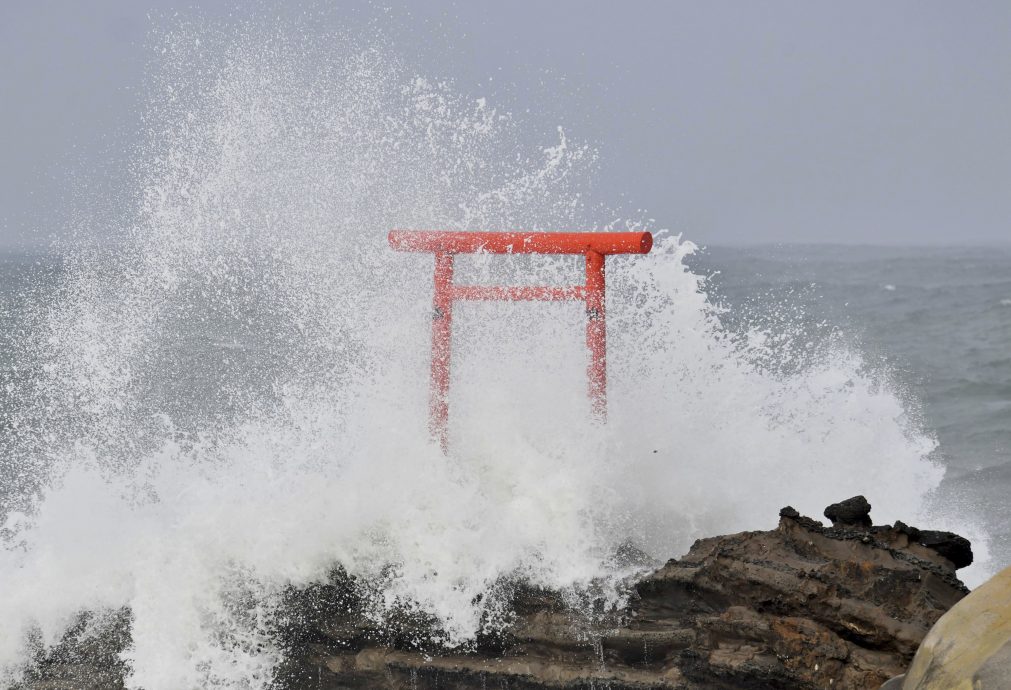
(442, 331)
(596, 331)
(594, 246)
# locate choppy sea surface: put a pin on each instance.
(937, 320)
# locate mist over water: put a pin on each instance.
(231, 397)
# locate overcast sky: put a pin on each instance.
(735, 122)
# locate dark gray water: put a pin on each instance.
(938, 320)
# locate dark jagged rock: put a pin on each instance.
(854, 511)
(87, 659)
(799, 607)
(912, 532)
(956, 549)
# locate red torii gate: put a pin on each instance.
(445, 245)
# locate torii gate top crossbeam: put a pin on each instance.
(605, 243)
(444, 245)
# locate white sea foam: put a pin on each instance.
(192, 486)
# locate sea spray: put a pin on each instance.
(231, 398)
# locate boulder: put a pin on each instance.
(853, 512)
(970, 646)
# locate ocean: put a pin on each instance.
(227, 397)
(937, 320)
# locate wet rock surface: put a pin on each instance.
(801, 606)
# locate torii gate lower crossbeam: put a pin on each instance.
(445, 245)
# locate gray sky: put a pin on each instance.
(735, 122)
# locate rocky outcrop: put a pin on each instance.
(970, 647)
(801, 606)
